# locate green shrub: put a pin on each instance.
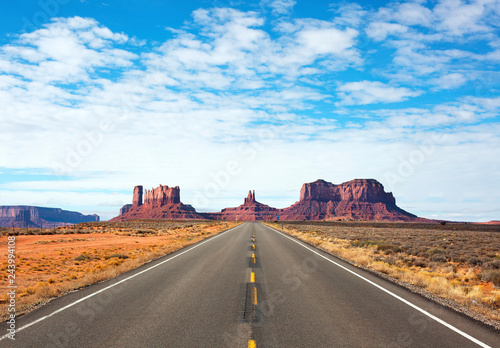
(119, 256)
(82, 257)
(380, 244)
(492, 265)
(475, 261)
(434, 251)
(439, 258)
(491, 275)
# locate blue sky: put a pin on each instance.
(220, 97)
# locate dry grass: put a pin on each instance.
(73, 257)
(459, 263)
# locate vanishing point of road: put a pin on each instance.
(250, 286)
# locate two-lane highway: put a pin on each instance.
(248, 287)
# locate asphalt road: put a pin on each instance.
(237, 290)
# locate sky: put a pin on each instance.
(220, 97)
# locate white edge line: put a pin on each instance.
(115, 284)
(451, 327)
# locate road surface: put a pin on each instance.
(251, 286)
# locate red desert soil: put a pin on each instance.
(50, 265)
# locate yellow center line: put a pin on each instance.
(253, 246)
(251, 344)
(253, 255)
(255, 296)
(252, 277)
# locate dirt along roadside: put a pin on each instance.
(38, 265)
(456, 265)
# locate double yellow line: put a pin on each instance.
(251, 343)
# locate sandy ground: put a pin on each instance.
(49, 265)
(457, 265)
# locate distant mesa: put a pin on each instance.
(359, 199)
(492, 222)
(22, 216)
(125, 208)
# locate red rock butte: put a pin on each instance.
(359, 199)
(250, 210)
(162, 202)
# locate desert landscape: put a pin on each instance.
(272, 173)
(452, 261)
(52, 262)
(455, 264)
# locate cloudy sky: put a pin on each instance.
(219, 97)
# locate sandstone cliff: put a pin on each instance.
(29, 216)
(162, 202)
(359, 199)
(125, 208)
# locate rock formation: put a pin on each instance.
(492, 222)
(359, 199)
(162, 202)
(250, 198)
(137, 197)
(250, 210)
(359, 190)
(33, 217)
(125, 208)
(160, 196)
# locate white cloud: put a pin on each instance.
(449, 81)
(225, 89)
(451, 18)
(371, 92)
(410, 13)
(488, 104)
(458, 18)
(380, 30)
(421, 32)
(66, 50)
(280, 7)
(348, 14)
(468, 111)
(419, 60)
(319, 41)
(308, 41)
(231, 49)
